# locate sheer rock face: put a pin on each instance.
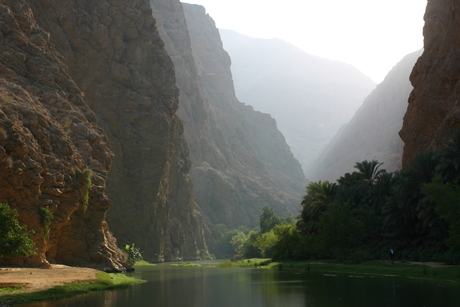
(116, 57)
(434, 108)
(48, 137)
(241, 161)
(372, 134)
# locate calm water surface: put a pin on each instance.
(213, 287)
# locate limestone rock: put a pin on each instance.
(48, 137)
(240, 161)
(116, 57)
(434, 109)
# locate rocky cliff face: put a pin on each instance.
(310, 97)
(243, 162)
(116, 57)
(48, 137)
(372, 133)
(240, 161)
(434, 109)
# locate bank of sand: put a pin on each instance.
(36, 279)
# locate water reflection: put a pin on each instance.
(212, 287)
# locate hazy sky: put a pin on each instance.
(372, 35)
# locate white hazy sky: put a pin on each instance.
(372, 35)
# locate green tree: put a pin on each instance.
(289, 244)
(244, 244)
(370, 172)
(224, 247)
(268, 220)
(265, 243)
(339, 232)
(410, 217)
(319, 196)
(134, 253)
(15, 240)
(446, 196)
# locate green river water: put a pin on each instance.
(169, 286)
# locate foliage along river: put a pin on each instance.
(170, 286)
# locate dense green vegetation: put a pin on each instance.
(415, 212)
(15, 240)
(133, 254)
(104, 281)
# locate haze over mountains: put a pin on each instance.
(310, 97)
(372, 133)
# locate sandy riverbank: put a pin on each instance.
(36, 279)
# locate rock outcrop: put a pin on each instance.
(116, 57)
(309, 97)
(49, 137)
(240, 161)
(434, 108)
(372, 133)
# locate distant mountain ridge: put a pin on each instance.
(372, 134)
(309, 97)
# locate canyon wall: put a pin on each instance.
(372, 133)
(116, 56)
(434, 109)
(48, 138)
(240, 161)
(310, 97)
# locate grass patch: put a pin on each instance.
(186, 264)
(247, 263)
(7, 289)
(104, 281)
(143, 263)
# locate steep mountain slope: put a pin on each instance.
(310, 97)
(240, 161)
(434, 107)
(48, 138)
(372, 134)
(116, 56)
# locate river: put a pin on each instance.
(206, 286)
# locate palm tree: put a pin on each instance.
(319, 196)
(370, 172)
(410, 216)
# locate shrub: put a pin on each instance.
(84, 179)
(15, 240)
(46, 218)
(134, 253)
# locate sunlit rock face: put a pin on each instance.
(240, 161)
(310, 97)
(434, 109)
(48, 137)
(372, 133)
(117, 58)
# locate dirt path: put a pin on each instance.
(41, 279)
